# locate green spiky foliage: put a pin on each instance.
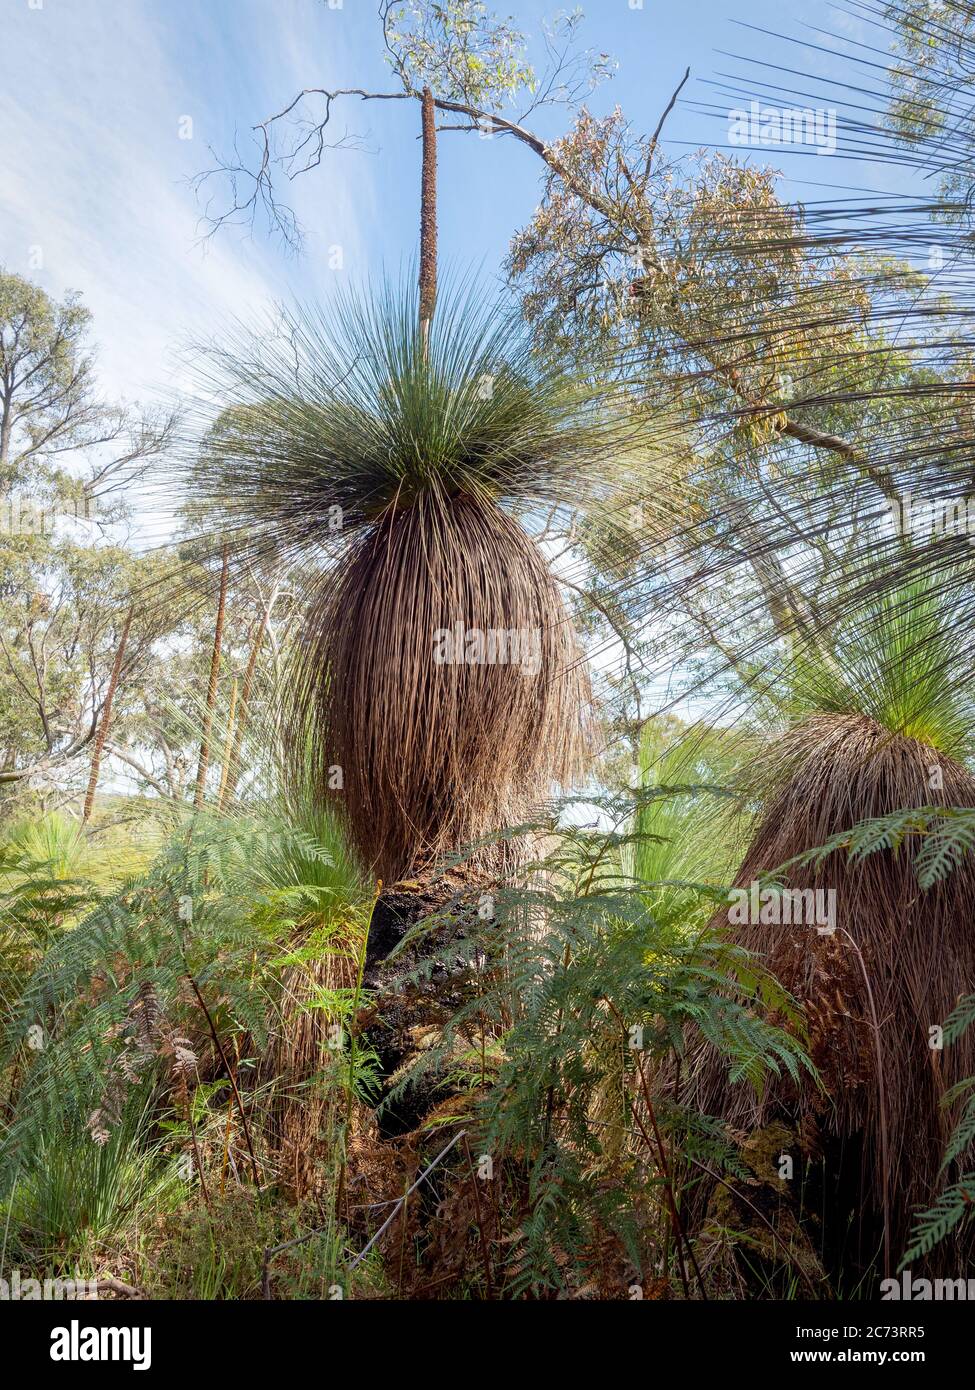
(71, 1193)
(44, 887)
(51, 873)
(400, 467)
(685, 827)
(131, 1024)
(897, 659)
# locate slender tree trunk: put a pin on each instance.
(201, 771)
(6, 431)
(227, 745)
(428, 216)
(102, 735)
(233, 771)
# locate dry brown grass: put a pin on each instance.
(298, 1054)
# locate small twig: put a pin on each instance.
(196, 1149)
(230, 1074)
(680, 1235)
(660, 124)
(392, 1215)
(106, 719)
(109, 1285)
(480, 1224)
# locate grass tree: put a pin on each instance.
(437, 686)
(884, 729)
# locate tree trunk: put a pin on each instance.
(227, 746)
(96, 757)
(201, 771)
(233, 771)
(428, 217)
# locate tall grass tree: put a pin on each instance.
(400, 466)
(887, 727)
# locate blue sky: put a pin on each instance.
(95, 99)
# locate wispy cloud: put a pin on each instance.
(93, 109)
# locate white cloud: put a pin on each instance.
(95, 171)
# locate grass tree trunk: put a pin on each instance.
(96, 757)
(428, 216)
(201, 771)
